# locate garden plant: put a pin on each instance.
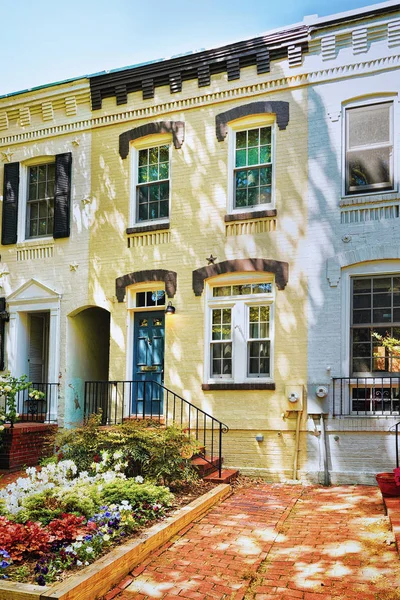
(101, 485)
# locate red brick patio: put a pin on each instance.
(274, 541)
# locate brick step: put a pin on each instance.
(205, 466)
(227, 475)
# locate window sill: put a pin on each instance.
(35, 242)
(145, 228)
(369, 198)
(237, 386)
(251, 214)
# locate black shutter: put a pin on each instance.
(62, 195)
(2, 335)
(10, 204)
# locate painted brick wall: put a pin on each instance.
(356, 448)
(199, 185)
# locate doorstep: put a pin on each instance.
(107, 571)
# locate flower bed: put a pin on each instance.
(55, 519)
(64, 516)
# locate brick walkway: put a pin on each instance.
(277, 541)
(6, 477)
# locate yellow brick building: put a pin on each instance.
(255, 241)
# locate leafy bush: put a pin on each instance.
(143, 447)
(42, 507)
(138, 495)
(19, 540)
(67, 528)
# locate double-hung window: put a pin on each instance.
(40, 200)
(153, 186)
(375, 308)
(240, 331)
(369, 148)
(253, 168)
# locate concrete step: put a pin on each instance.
(227, 475)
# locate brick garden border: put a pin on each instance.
(99, 577)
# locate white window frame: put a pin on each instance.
(365, 102)
(23, 198)
(374, 269)
(244, 124)
(152, 141)
(240, 318)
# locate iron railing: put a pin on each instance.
(366, 396)
(37, 411)
(122, 400)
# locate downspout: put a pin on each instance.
(297, 444)
(324, 453)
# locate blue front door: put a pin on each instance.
(148, 363)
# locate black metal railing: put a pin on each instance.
(366, 396)
(39, 411)
(121, 400)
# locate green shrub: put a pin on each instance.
(140, 447)
(41, 507)
(82, 499)
(137, 494)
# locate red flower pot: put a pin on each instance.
(387, 484)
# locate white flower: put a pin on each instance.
(89, 549)
(79, 563)
(7, 388)
(117, 454)
(1, 427)
(139, 479)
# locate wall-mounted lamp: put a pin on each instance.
(170, 310)
(4, 316)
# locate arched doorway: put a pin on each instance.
(88, 341)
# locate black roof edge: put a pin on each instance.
(280, 37)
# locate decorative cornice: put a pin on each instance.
(230, 59)
(280, 109)
(169, 278)
(175, 128)
(278, 84)
(242, 265)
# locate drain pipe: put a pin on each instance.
(297, 444)
(324, 453)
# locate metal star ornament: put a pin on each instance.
(7, 155)
(211, 259)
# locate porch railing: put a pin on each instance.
(36, 411)
(366, 396)
(122, 400)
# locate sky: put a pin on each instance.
(44, 41)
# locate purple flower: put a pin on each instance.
(40, 580)
(4, 564)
